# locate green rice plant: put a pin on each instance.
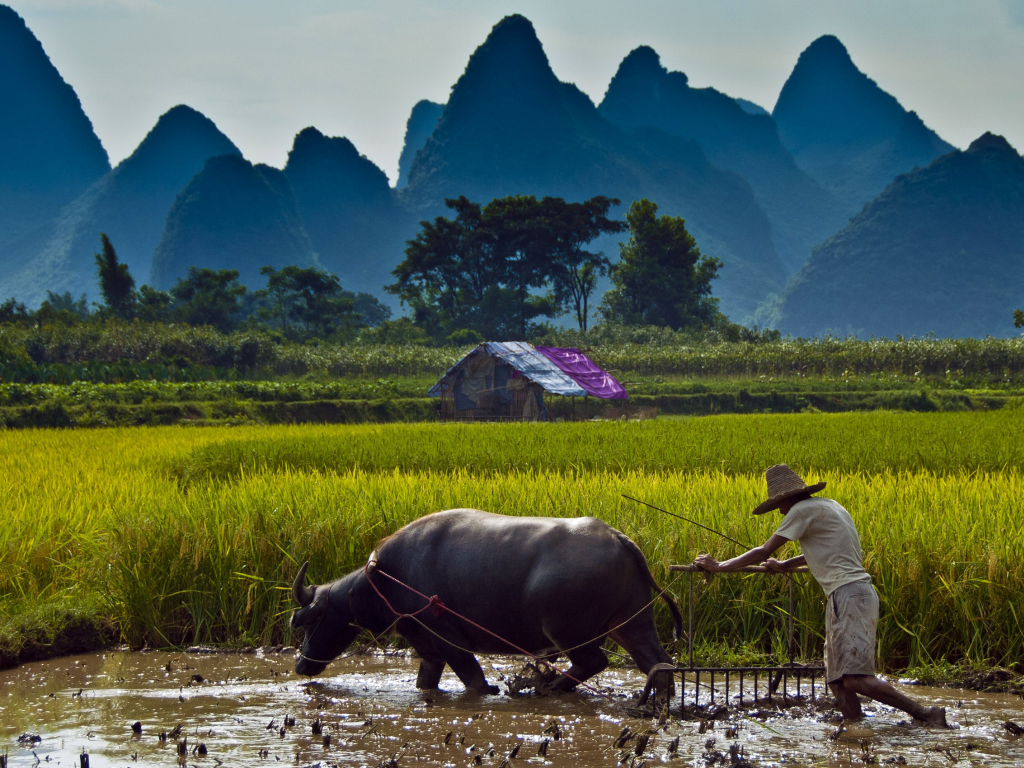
(870, 442)
(181, 535)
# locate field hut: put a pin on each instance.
(507, 381)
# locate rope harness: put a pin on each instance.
(439, 608)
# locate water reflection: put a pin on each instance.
(250, 709)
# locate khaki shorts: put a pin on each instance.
(851, 617)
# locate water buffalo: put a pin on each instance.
(544, 584)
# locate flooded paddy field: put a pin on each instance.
(250, 709)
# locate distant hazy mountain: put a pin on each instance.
(232, 215)
(348, 209)
(940, 250)
(511, 127)
(852, 137)
(644, 93)
(751, 107)
(49, 153)
(130, 204)
(421, 124)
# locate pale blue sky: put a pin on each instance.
(265, 69)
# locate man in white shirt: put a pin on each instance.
(831, 549)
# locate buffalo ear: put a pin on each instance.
(314, 611)
(299, 618)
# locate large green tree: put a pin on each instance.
(312, 299)
(661, 278)
(493, 270)
(452, 277)
(572, 268)
(209, 297)
(116, 284)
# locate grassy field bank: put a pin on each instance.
(115, 350)
(174, 536)
(402, 399)
(131, 374)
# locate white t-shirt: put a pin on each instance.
(829, 542)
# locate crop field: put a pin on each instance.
(118, 351)
(113, 373)
(179, 535)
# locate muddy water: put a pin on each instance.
(236, 705)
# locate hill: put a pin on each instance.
(348, 210)
(511, 127)
(941, 251)
(232, 215)
(848, 134)
(422, 121)
(130, 204)
(49, 153)
(644, 93)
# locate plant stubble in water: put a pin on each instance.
(251, 709)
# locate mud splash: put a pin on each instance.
(218, 709)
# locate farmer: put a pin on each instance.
(831, 549)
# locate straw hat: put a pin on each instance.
(783, 483)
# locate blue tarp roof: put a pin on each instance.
(525, 359)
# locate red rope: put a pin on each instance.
(439, 607)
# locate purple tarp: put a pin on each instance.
(580, 369)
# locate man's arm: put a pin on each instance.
(782, 566)
(753, 556)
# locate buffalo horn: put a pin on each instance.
(302, 594)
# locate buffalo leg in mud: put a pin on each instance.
(429, 676)
(431, 662)
(468, 670)
(463, 663)
(586, 662)
(641, 643)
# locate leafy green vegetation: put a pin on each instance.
(38, 352)
(475, 275)
(661, 278)
(110, 372)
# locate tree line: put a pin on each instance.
(503, 270)
(300, 302)
(498, 270)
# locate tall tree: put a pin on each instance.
(312, 297)
(662, 278)
(12, 310)
(479, 270)
(519, 234)
(448, 267)
(116, 284)
(279, 293)
(372, 312)
(574, 270)
(209, 297)
(154, 305)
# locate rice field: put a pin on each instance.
(186, 536)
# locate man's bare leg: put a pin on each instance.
(873, 688)
(847, 701)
